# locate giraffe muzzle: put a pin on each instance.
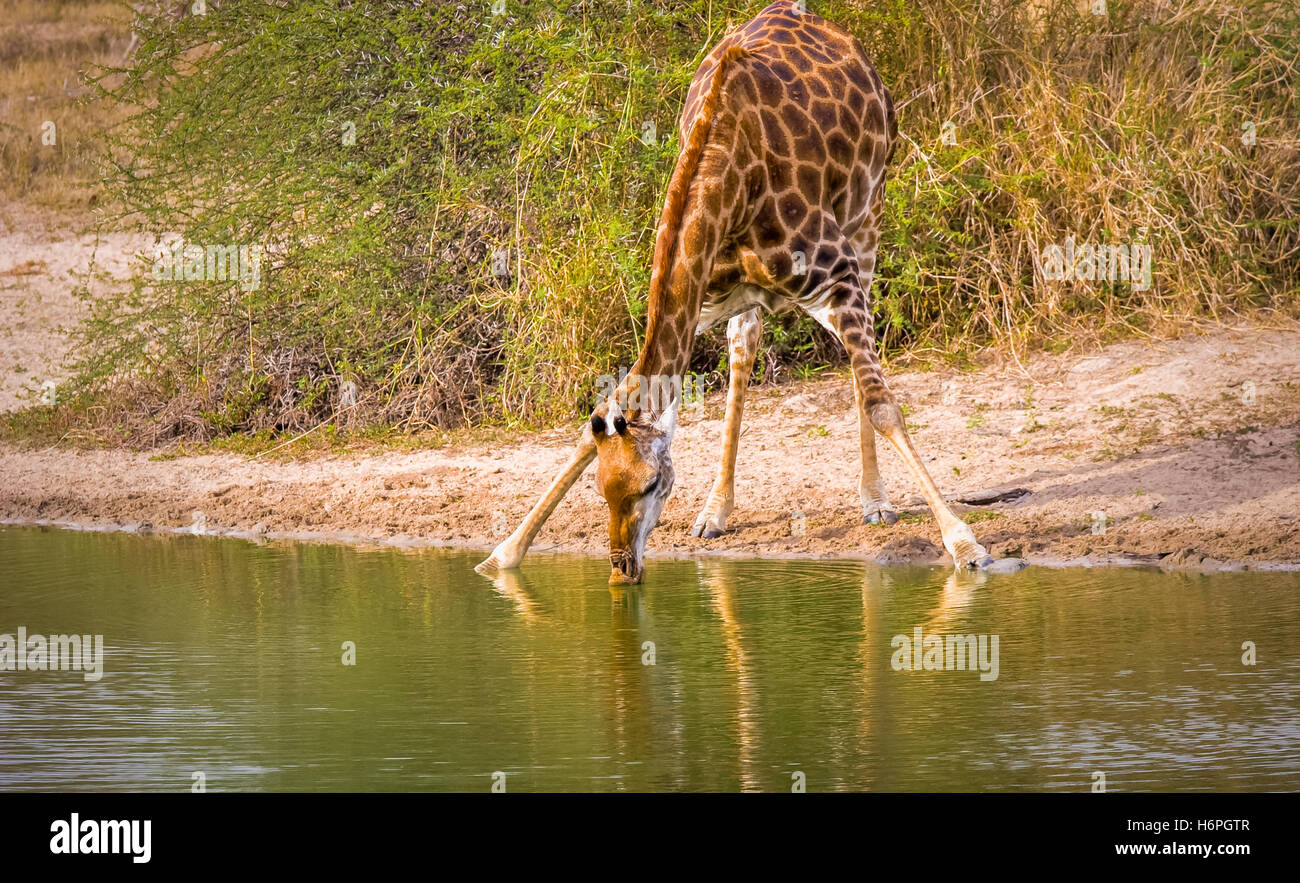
(625, 568)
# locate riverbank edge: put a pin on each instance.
(415, 543)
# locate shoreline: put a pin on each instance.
(411, 543)
(1136, 454)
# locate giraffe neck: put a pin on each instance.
(667, 348)
(687, 241)
(656, 379)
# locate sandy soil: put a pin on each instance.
(41, 265)
(1182, 453)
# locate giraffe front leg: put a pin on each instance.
(743, 334)
(849, 320)
(509, 553)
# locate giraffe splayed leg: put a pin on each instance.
(876, 508)
(849, 317)
(511, 552)
(743, 334)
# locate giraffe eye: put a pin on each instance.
(654, 483)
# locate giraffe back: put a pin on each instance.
(798, 146)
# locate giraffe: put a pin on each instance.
(774, 203)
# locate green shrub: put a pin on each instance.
(524, 133)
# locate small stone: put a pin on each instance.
(1189, 559)
(992, 495)
(800, 404)
(1006, 565)
(910, 550)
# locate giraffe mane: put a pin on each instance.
(680, 183)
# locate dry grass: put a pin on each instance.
(46, 49)
(1108, 130)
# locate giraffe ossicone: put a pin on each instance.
(774, 204)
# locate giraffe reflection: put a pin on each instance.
(515, 588)
(715, 576)
(874, 717)
(954, 601)
(637, 702)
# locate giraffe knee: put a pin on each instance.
(887, 418)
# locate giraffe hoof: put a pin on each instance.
(881, 516)
(706, 531)
(968, 554)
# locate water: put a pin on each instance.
(225, 657)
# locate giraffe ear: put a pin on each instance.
(667, 422)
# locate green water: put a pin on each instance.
(225, 658)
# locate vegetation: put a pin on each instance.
(48, 130)
(456, 207)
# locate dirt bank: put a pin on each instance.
(42, 264)
(1183, 453)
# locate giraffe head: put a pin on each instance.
(634, 473)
